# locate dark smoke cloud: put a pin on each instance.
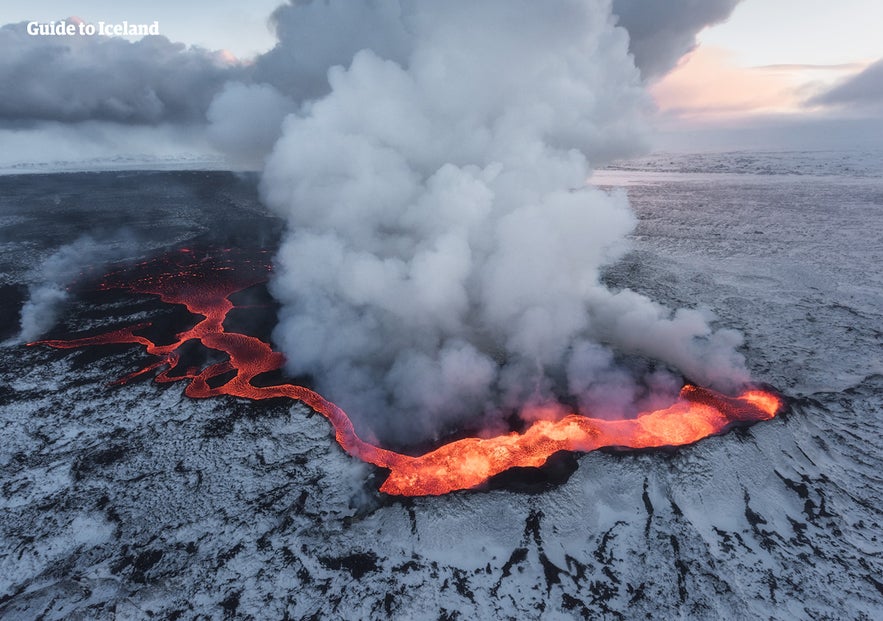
(863, 92)
(78, 78)
(662, 32)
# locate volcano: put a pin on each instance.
(120, 499)
(204, 284)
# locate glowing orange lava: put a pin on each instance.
(204, 287)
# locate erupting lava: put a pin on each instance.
(204, 287)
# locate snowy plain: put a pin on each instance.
(138, 502)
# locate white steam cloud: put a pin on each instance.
(75, 84)
(248, 137)
(443, 251)
(49, 289)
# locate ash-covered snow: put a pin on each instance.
(138, 502)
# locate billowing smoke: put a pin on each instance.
(247, 137)
(315, 36)
(50, 281)
(153, 80)
(79, 78)
(662, 32)
(443, 252)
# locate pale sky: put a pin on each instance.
(769, 58)
(767, 32)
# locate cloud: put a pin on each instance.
(245, 120)
(860, 93)
(662, 32)
(708, 84)
(709, 87)
(443, 251)
(79, 78)
(49, 290)
(314, 36)
(659, 36)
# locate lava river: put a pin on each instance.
(204, 286)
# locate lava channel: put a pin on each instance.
(204, 286)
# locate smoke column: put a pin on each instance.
(50, 281)
(443, 250)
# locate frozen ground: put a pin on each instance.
(139, 502)
(861, 163)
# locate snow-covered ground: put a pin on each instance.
(190, 161)
(139, 502)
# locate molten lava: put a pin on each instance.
(204, 286)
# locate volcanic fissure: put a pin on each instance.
(204, 285)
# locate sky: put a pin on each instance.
(768, 65)
(822, 32)
(762, 68)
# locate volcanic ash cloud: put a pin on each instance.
(443, 250)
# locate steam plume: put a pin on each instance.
(48, 292)
(247, 138)
(443, 252)
(662, 32)
(85, 85)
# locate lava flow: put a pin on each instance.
(204, 286)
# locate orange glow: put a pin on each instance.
(204, 287)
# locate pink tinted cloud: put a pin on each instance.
(709, 86)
